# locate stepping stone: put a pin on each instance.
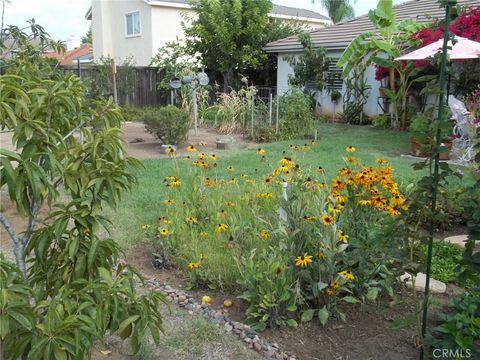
(436, 287)
(458, 239)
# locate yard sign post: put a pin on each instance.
(448, 4)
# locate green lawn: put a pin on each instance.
(141, 205)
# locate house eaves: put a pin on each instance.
(341, 34)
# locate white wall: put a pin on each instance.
(327, 107)
(109, 33)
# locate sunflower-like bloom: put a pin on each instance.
(268, 180)
(146, 226)
(230, 168)
(260, 151)
(191, 148)
(169, 201)
(203, 234)
(342, 235)
(221, 228)
(303, 260)
(193, 265)
(347, 275)
(264, 234)
(163, 231)
(170, 151)
(327, 220)
(191, 220)
(350, 149)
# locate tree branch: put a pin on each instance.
(35, 209)
(18, 245)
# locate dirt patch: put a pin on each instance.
(141, 144)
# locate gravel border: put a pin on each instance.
(248, 336)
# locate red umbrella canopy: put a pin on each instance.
(462, 49)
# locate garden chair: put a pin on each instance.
(463, 147)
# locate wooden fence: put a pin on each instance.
(141, 91)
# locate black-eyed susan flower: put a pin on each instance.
(221, 228)
(202, 156)
(213, 157)
(163, 231)
(222, 214)
(303, 260)
(342, 235)
(351, 149)
(264, 234)
(268, 180)
(260, 151)
(381, 161)
(347, 275)
(321, 255)
(169, 201)
(321, 170)
(146, 226)
(230, 203)
(393, 210)
(364, 202)
(334, 209)
(186, 158)
(309, 218)
(170, 151)
(327, 219)
(379, 201)
(203, 234)
(193, 265)
(175, 183)
(352, 160)
(329, 291)
(191, 148)
(232, 181)
(191, 220)
(230, 168)
(397, 200)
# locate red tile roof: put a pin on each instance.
(68, 57)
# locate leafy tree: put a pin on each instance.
(338, 10)
(311, 65)
(87, 39)
(228, 34)
(67, 288)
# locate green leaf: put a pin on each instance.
(105, 275)
(292, 308)
(126, 326)
(307, 315)
(372, 293)
(351, 300)
(323, 315)
(292, 323)
(59, 354)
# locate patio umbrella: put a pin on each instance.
(462, 49)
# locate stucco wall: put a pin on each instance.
(327, 107)
(109, 33)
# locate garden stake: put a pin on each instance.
(270, 110)
(448, 4)
(277, 115)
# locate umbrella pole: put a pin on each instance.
(441, 103)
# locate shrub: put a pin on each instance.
(296, 115)
(169, 124)
(381, 121)
(135, 114)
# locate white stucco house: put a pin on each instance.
(138, 28)
(335, 38)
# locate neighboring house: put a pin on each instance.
(337, 37)
(84, 53)
(138, 28)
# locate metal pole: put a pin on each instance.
(277, 114)
(270, 109)
(441, 103)
(114, 81)
(195, 109)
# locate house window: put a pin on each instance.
(132, 22)
(334, 79)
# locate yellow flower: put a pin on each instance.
(347, 275)
(364, 202)
(309, 217)
(191, 220)
(334, 285)
(193, 265)
(163, 231)
(230, 168)
(352, 160)
(222, 213)
(191, 148)
(268, 180)
(266, 195)
(175, 183)
(264, 234)
(321, 170)
(202, 156)
(381, 161)
(393, 210)
(203, 234)
(170, 151)
(342, 236)
(293, 147)
(146, 226)
(397, 200)
(329, 291)
(209, 182)
(327, 219)
(213, 157)
(230, 203)
(260, 151)
(186, 158)
(303, 260)
(378, 201)
(206, 300)
(351, 149)
(169, 201)
(232, 181)
(321, 255)
(334, 209)
(339, 198)
(221, 228)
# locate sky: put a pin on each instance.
(64, 18)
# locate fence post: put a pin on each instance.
(270, 109)
(253, 109)
(114, 81)
(277, 114)
(195, 109)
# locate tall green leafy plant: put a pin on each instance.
(67, 288)
(370, 47)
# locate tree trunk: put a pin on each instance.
(394, 103)
(227, 77)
